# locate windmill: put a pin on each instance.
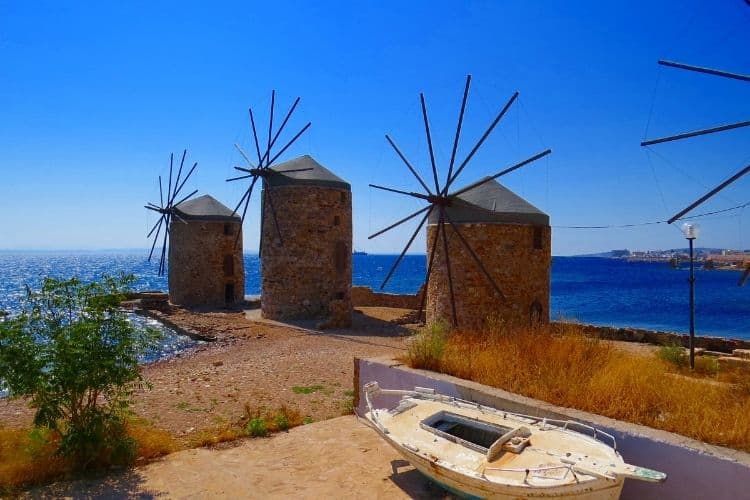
(686, 135)
(166, 208)
(440, 197)
(263, 168)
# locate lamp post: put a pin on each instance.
(691, 231)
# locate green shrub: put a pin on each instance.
(307, 389)
(73, 353)
(256, 427)
(673, 354)
(427, 347)
(282, 422)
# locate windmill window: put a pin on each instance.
(227, 229)
(228, 265)
(537, 238)
(340, 256)
(336, 220)
(343, 196)
(535, 313)
(340, 295)
(229, 293)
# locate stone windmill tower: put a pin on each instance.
(512, 239)
(488, 249)
(306, 261)
(199, 240)
(205, 265)
(306, 231)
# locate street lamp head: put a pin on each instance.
(691, 230)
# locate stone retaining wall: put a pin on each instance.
(365, 296)
(694, 469)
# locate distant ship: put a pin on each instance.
(359, 252)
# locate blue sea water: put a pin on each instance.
(590, 290)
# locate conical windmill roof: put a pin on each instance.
(493, 203)
(207, 208)
(318, 175)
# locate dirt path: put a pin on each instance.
(338, 458)
(257, 365)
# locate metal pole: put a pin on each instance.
(691, 280)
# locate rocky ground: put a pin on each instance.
(255, 364)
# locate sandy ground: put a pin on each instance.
(255, 364)
(338, 458)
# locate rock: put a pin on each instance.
(218, 363)
(740, 353)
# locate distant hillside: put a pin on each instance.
(613, 254)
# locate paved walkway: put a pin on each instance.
(337, 458)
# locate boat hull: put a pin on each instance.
(467, 487)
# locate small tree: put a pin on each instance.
(74, 354)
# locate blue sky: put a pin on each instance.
(94, 97)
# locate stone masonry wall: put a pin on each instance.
(198, 272)
(309, 274)
(365, 296)
(507, 251)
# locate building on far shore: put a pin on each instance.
(306, 263)
(512, 238)
(206, 266)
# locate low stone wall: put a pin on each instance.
(365, 296)
(694, 469)
(662, 338)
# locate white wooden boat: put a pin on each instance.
(476, 451)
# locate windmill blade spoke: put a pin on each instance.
(241, 169)
(161, 193)
(481, 140)
(429, 142)
(153, 205)
(186, 197)
(407, 193)
(152, 208)
(458, 131)
(429, 270)
(710, 71)
(273, 212)
(177, 216)
(408, 165)
(255, 136)
(192, 169)
(156, 238)
(164, 246)
(503, 172)
(169, 185)
(744, 276)
(695, 133)
(242, 153)
(270, 125)
(474, 256)
(403, 252)
(396, 224)
(283, 124)
(709, 194)
(244, 195)
(288, 144)
(248, 195)
(158, 223)
(240, 177)
(441, 223)
(179, 171)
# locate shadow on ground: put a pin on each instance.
(123, 485)
(415, 484)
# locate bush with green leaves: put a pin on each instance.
(73, 353)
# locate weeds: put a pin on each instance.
(565, 367)
(307, 389)
(256, 427)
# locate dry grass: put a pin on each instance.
(566, 368)
(28, 456)
(282, 419)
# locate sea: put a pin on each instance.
(600, 291)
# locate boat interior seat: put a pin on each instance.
(506, 442)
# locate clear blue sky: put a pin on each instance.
(94, 97)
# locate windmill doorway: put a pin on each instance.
(229, 293)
